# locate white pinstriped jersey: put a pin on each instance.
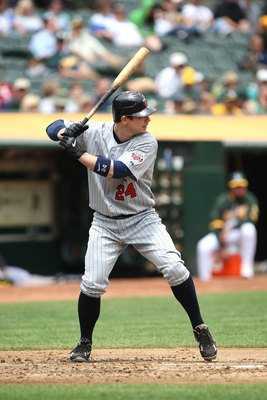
(130, 195)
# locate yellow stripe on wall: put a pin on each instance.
(31, 127)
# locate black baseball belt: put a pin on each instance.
(124, 216)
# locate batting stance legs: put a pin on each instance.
(108, 238)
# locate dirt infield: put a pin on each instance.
(177, 366)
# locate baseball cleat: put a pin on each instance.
(207, 344)
(82, 351)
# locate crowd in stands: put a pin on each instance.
(64, 45)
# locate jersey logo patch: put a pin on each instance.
(136, 157)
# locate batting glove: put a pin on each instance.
(71, 146)
(75, 130)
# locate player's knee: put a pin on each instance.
(248, 230)
(92, 289)
(175, 273)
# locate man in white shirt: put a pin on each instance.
(196, 15)
(169, 79)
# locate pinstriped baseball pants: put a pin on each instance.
(108, 238)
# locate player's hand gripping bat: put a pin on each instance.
(127, 71)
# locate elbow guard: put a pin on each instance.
(53, 129)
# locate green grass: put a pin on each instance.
(235, 319)
(133, 392)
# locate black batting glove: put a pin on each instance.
(71, 146)
(75, 130)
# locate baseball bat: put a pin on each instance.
(127, 71)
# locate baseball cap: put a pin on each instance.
(77, 22)
(237, 179)
(177, 59)
(22, 83)
(230, 77)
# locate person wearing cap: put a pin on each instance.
(169, 80)
(119, 156)
(257, 94)
(231, 104)
(232, 226)
(21, 88)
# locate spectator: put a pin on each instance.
(206, 103)
(26, 19)
(101, 87)
(100, 20)
(6, 18)
(256, 56)
(257, 94)
(191, 80)
(197, 17)
(43, 44)
(6, 94)
(86, 103)
(60, 15)
(232, 228)
(61, 99)
(36, 68)
(230, 17)
(228, 81)
(173, 78)
(231, 104)
(124, 33)
(53, 62)
(30, 103)
(174, 105)
(21, 88)
(144, 17)
(76, 92)
(120, 30)
(168, 19)
(48, 90)
(252, 12)
(66, 64)
(262, 25)
(88, 48)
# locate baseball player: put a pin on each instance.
(119, 157)
(232, 228)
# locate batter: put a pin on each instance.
(120, 158)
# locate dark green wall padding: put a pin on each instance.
(203, 180)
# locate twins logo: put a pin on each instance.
(137, 157)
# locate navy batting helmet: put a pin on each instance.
(130, 104)
(237, 179)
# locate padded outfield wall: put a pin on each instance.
(44, 215)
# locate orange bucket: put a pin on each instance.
(231, 266)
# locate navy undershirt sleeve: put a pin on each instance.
(53, 129)
(120, 170)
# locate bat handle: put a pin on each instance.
(84, 121)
